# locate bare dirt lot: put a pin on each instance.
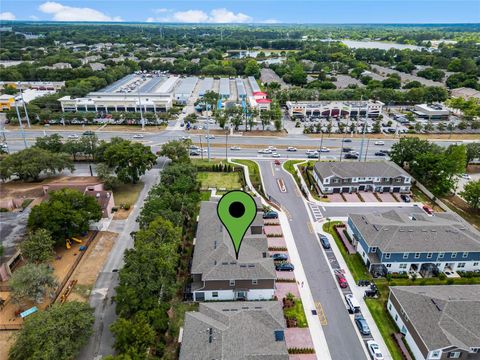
(6, 340)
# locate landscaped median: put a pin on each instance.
(254, 172)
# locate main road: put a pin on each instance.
(342, 339)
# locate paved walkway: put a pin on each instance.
(348, 245)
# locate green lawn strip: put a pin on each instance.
(127, 193)
(205, 195)
(470, 217)
(354, 262)
(205, 163)
(219, 180)
(254, 173)
(298, 313)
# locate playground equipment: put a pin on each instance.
(68, 243)
(77, 240)
(67, 291)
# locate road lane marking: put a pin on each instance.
(321, 314)
(310, 227)
(297, 192)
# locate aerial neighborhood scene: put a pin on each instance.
(240, 180)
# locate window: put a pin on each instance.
(214, 294)
(389, 265)
(403, 266)
(405, 255)
(396, 317)
(417, 255)
(254, 282)
(454, 255)
(475, 264)
(441, 255)
(398, 180)
(465, 255)
(232, 282)
(387, 255)
(436, 354)
(454, 355)
(461, 265)
(373, 250)
(389, 306)
(475, 350)
(336, 181)
(429, 255)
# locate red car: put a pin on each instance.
(428, 209)
(341, 280)
(277, 162)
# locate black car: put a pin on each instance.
(325, 242)
(351, 156)
(379, 153)
(405, 198)
(347, 140)
(347, 149)
(88, 133)
(280, 257)
(386, 152)
(194, 153)
(362, 325)
(284, 267)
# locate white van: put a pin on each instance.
(353, 306)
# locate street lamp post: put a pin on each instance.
(25, 108)
(21, 125)
(226, 145)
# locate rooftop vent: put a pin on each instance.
(224, 263)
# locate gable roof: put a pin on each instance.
(395, 231)
(349, 169)
(234, 331)
(443, 315)
(214, 254)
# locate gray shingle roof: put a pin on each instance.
(443, 315)
(350, 169)
(234, 331)
(214, 255)
(393, 231)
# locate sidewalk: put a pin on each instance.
(357, 291)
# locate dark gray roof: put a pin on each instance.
(349, 169)
(214, 255)
(234, 331)
(395, 231)
(443, 315)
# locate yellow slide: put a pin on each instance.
(68, 243)
(77, 240)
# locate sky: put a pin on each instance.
(246, 11)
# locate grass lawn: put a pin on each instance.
(127, 193)
(205, 195)
(219, 180)
(468, 214)
(354, 262)
(298, 313)
(204, 162)
(254, 173)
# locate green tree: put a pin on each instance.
(252, 68)
(37, 247)
(377, 128)
(175, 150)
(105, 175)
(128, 159)
(66, 213)
(52, 143)
(133, 337)
(28, 164)
(473, 151)
(211, 99)
(56, 333)
(32, 282)
(407, 149)
(471, 194)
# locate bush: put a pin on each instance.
(3, 210)
(442, 276)
(126, 206)
(450, 281)
(301, 351)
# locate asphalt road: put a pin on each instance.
(340, 334)
(102, 340)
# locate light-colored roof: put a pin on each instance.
(443, 315)
(234, 331)
(394, 231)
(214, 255)
(225, 87)
(384, 169)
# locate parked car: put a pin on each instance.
(379, 153)
(342, 281)
(362, 325)
(284, 267)
(235, 148)
(291, 148)
(324, 241)
(138, 136)
(405, 198)
(353, 306)
(466, 177)
(379, 143)
(427, 209)
(374, 350)
(280, 257)
(270, 215)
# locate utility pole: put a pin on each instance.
(201, 146)
(363, 135)
(21, 125)
(226, 145)
(366, 152)
(321, 145)
(25, 108)
(141, 112)
(208, 131)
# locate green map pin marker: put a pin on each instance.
(236, 210)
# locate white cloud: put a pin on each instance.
(33, 17)
(271, 21)
(161, 10)
(220, 15)
(7, 15)
(68, 13)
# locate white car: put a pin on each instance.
(275, 155)
(379, 143)
(235, 148)
(73, 136)
(324, 149)
(466, 177)
(210, 137)
(265, 151)
(186, 137)
(291, 148)
(273, 148)
(311, 152)
(374, 350)
(138, 136)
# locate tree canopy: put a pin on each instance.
(32, 282)
(37, 247)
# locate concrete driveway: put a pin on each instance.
(369, 197)
(386, 197)
(353, 197)
(335, 198)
